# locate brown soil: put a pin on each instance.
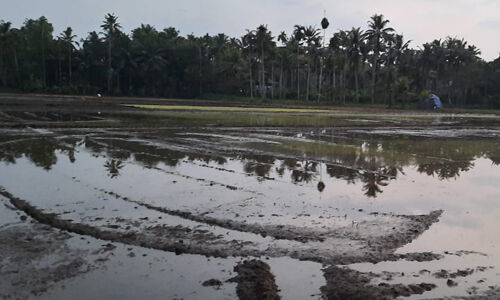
(347, 284)
(255, 281)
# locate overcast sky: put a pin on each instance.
(478, 21)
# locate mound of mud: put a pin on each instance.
(347, 284)
(255, 281)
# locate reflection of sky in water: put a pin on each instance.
(462, 184)
(469, 199)
(471, 212)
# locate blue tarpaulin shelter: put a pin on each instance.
(435, 101)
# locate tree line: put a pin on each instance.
(374, 65)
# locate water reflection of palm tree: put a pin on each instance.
(259, 164)
(342, 172)
(445, 170)
(113, 167)
(220, 160)
(287, 163)
(372, 182)
(41, 151)
(377, 177)
(306, 173)
(495, 160)
(259, 169)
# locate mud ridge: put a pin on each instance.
(166, 238)
(179, 239)
(347, 284)
(293, 233)
(255, 281)
(277, 232)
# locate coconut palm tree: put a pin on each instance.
(68, 37)
(377, 33)
(282, 54)
(110, 27)
(355, 39)
(38, 34)
(339, 45)
(333, 50)
(298, 37)
(5, 28)
(313, 42)
(152, 62)
(248, 46)
(264, 42)
(395, 48)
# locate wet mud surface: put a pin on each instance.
(348, 212)
(35, 258)
(255, 281)
(343, 283)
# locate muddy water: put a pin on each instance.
(397, 207)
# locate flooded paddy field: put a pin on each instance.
(127, 203)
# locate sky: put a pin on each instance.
(478, 21)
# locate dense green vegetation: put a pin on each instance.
(374, 66)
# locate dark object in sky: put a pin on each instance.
(325, 23)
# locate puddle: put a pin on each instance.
(388, 208)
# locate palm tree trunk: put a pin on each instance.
(59, 67)
(200, 73)
(109, 65)
(308, 78)
(298, 75)
(129, 84)
(16, 64)
(118, 81)
(69, 63)
(272, 80)
(59, 71)
(374, 75)
(320, 82)
(2, 73)
(281, 79)
(251, 80)
(343, 86)
(263, 75)
(356, 83)
(44, 79)
(334, 83)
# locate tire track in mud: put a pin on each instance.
(254, 278)
(166, 238)
(293, 233)
(181, 239)
(377, 248)
(262, 230)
